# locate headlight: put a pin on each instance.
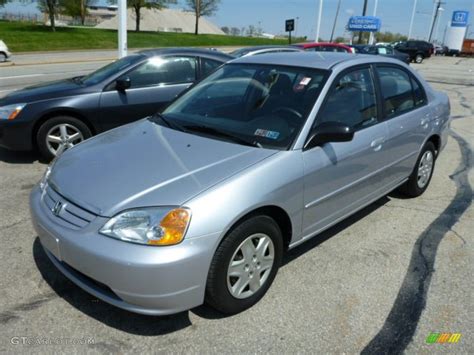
(10, 112)
(44, 179)
(151, 226)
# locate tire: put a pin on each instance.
(3, 57)
(412, 187)
(220, 283)
(419, 58)
(76, 131)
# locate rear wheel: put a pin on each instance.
(59, 134)
(419, 58)
(244, 265)
(3, 57)
(421, 176)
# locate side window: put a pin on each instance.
(396, 91)
(351, 100)
(418, 93)
(209, 65)
(158, 70)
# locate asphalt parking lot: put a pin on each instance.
(381, 281)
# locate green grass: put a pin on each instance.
(28, 37)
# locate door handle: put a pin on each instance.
(377, 144)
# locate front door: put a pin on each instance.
(154, 84)
(342, 177)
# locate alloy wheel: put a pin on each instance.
(61, 137)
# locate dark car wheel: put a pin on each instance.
(244, 265)
(3, 57)
(59, 134)
(419, 58)
(421, 176)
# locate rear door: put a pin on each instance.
(154, 84)
(342, 177)
(407, 115)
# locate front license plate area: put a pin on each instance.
(49, 242)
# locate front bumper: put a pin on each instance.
(16, 134)
(139, 278)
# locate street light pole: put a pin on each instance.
(318, 27)
(438, 5)
(335, 20)
(371, 39)
(122, 30)
(364, 10)
(412, 18)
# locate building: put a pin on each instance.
(165, 20)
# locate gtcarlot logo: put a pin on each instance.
(24, 340)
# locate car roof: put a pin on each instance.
(185, 51)
(317, 60)
(320, 44)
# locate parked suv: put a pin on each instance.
(417, 50)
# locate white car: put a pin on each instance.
(4, 52)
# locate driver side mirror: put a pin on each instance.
(328, 132)
(122, 84)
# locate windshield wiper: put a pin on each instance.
(169, 123)
(78, 79)
(218, 133)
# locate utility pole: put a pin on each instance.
(122, 30)
(412, 19)
(438, 5)
(364, 11)
(335, 20)
(371, 39)
(318, 27)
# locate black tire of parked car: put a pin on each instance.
(411, 188)
(3, 57)
(419, 58)
(41, 139)
(218, 295)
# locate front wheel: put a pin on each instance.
(59, 134)
(244, 265)
(421, 176)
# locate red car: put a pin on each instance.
(325, 47)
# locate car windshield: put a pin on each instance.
(264, 105)
(110, 69)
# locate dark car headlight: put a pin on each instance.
(10, 112)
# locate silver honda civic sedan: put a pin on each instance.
(199, 203)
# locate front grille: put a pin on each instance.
(67, 213)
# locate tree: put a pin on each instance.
(225, 29)
(49, 7)
(76, 8)
(251, 31)
(202, 8)
(235, 31)
(137, 6)
(3, 2)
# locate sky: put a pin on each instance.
(270, 15)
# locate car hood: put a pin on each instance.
(144, 164)
(44, 91)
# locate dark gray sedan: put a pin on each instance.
(55, 116)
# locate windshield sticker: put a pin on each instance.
(302, 84)
(305, 81)
(267, 134)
